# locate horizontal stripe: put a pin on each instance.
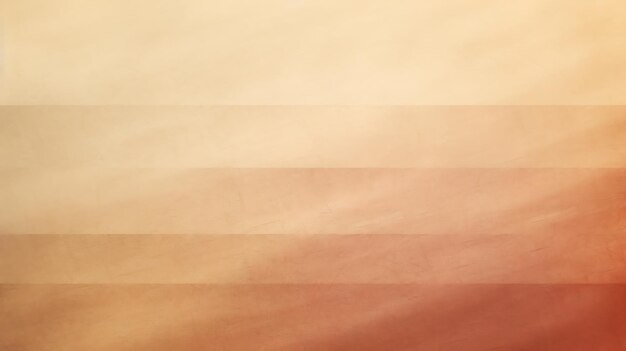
(178, 259)
(313, 137)
(313, 52)
(313, 201)
(309, 317)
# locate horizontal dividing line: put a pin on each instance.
(313, 285)
(313, 105)
(426, 169)
(459, 235)
(460, 169)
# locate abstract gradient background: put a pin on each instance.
(312, 175)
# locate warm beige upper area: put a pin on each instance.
(570, 52)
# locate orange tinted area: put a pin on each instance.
(312, 175)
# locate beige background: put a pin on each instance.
(365, 52)
(312, 175)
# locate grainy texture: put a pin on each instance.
(314, 136)
(312, 175)
(322, 259)
(313, 317)
(313, 201)
(268, 52)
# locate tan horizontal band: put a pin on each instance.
(311, 259)
(313, 136)
(310, 317)
(312, 201)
